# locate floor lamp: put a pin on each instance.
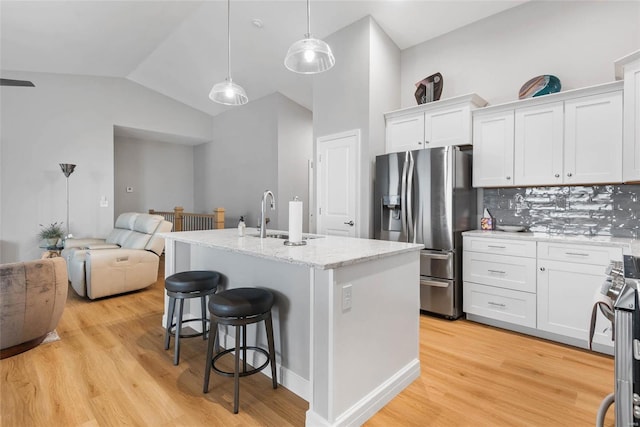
(67, 169)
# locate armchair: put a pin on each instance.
(32, 299)
(126, 260)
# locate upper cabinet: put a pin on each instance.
(572, 137)
(493, 149)
(430, 125)
(628, 68)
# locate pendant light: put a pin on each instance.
(309, 55)
(227, 92)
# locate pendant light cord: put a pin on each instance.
(229, 39)
(308, 19)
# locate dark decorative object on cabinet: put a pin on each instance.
(429, 89)
(540, 85)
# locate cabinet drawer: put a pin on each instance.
(583, 254)
(500, 246)
(509, 272)
(500, 304)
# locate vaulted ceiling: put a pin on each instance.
(179, 48)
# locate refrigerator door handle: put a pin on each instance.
(403, 195)
(435, 282)
(412, 232)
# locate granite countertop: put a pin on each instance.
(323, 252)
(629, 246)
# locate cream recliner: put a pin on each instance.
(126, 260)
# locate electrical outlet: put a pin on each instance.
(347, 296)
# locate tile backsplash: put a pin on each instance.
(609, 210)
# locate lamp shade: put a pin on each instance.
(309, 56)
(67, 168)
(228, 93)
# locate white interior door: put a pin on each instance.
(338, 160)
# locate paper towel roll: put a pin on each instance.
(295, 221)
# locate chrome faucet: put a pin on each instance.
(263, 208)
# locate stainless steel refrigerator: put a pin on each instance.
(425, 196)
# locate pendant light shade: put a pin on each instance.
(227, 92)
(309, 55)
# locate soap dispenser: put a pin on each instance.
(241, 226)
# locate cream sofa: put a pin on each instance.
(32, 299)
(126, 260)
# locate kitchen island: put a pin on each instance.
(346, 313)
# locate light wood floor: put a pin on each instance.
(110, 369)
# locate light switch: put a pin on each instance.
(104, 203)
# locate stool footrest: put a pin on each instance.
(172, 330)
(242, 373)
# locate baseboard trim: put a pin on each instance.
(370, 404)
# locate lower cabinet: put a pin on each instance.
(550, 295)
(515, 307)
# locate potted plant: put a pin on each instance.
(51, 233)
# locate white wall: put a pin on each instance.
(384, 96)
(260, 146)
(341, 96)
(160, 173)
(295, 149)
(576, 41)
(70, 119)
(241, 163)
(355, 93)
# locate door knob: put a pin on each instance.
(542, 268)
(351, 223)
(557, 175)
(569, 174)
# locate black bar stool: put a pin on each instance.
(185, 285)
(240, 307)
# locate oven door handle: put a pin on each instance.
(435, 282)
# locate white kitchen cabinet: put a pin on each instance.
(593, 139)
(405, 133)
(569, 276)
(499, 280)
(493, 149)
(542, 288)
(517, 308)
(538, 145)
(434, 124)
(567, 138)
(628, 68)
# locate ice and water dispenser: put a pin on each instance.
(391, 213)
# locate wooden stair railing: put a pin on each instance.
(184, 221)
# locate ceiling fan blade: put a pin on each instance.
(9, 82)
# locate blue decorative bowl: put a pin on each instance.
(540, 85)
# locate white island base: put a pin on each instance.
(346, 313)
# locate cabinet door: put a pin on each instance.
(449, 127)
(593, 139)
(493, 149)
(566, 296)
(631, 166)
(538, 145)
(405, 133)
